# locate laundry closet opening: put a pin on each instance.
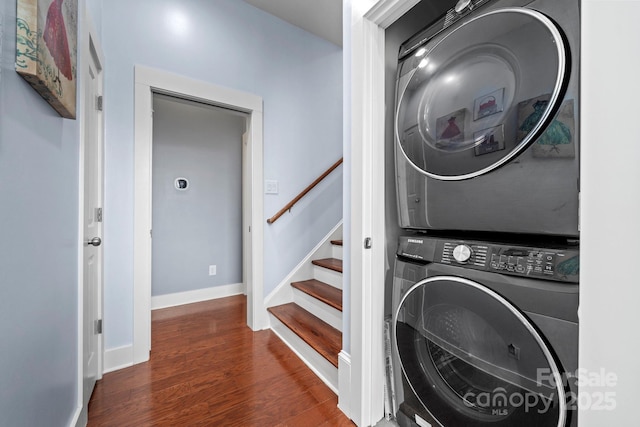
(197, 202)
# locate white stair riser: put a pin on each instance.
(323, 311)
(327, 276)
(314, 360)
(336, 251)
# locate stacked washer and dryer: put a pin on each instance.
(484, 326)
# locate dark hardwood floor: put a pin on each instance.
(207, 368)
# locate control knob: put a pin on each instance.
(462, 5)
(462, 253)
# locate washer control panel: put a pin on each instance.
(526, 261)
(551, 263)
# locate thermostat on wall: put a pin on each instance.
(181, 184)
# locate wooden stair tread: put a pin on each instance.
(330, 263)
(323, 338)
(321, 291)
(337, 242)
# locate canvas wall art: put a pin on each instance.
(46, 50)
(489, 104)
(557, 140)
(489, 140)
(450, 131)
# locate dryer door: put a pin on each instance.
(482, 93)
(472, 359)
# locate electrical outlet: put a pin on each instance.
(212, 270)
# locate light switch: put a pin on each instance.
(270, 186)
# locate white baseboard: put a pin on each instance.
(198, 295)
(75, 419)
(344, 383)
(118, 358)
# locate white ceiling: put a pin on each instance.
(320, 17)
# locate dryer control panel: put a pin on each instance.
(551, 263)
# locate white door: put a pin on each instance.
(92, 280)
(246, 213)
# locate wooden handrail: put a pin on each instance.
(295, 200)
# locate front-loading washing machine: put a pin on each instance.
(486, 119)
(484, 334)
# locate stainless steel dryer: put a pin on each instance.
(484, 334)
(486, 124)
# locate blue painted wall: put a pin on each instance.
(232, 44)
(38, 248)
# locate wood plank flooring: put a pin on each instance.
(207, 368)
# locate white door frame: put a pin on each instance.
(369, 19)
(148, 81)
(90, 48)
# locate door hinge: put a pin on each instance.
(98, 326)
(99, 102)
(98, 214)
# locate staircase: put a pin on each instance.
(311, 324)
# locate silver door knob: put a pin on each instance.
(96, 241)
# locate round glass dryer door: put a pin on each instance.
(472, 359)
(481, 94)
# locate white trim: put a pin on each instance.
(386, 12)
(197, 295)
(118, 358)
(328, 276)
(344, 382)
(76, 420)
(142, 224)
(89, 39)
(283, 294)
(148, 80)
(337, 252)
(368, 204)
(318, 308)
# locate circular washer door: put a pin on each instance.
(472, 359)
(481, 94)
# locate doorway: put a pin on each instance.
(147, 82)
(197, 206)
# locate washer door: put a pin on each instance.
(481, 94)
(472, 359)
